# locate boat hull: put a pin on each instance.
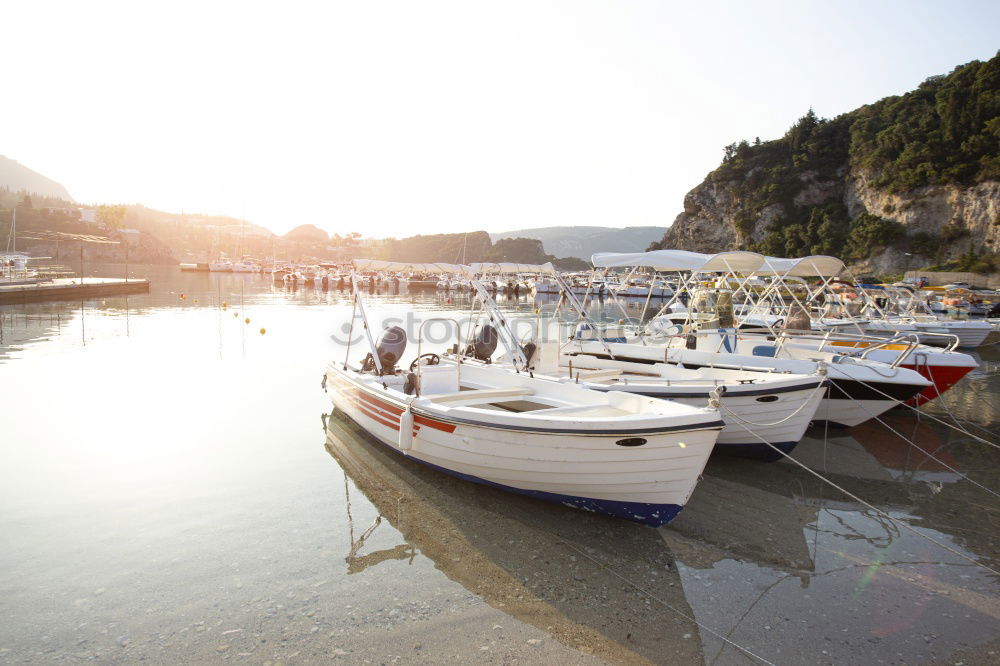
(648, 484)
(653, 515)
(777, 415)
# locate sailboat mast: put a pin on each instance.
(12, 235)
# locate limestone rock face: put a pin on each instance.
(711, 211)
(929, 209)
(707, 223)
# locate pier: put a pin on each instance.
(70, 288)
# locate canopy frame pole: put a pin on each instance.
(645, 306)
(505, 334)
(621, 306)
(572, 299)
(364, 318)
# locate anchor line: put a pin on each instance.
(874, 508)
(928, 453)
(947, 409)
(667, 605)
(931, 416)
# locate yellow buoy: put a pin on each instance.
(236, 315)
(224, 305)
(263, 330)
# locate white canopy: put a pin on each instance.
(682, 260)
(816, 265)
(510, 267)
(413, 267)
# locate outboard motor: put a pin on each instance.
(530, 351)
(484, 345)
(390, 348)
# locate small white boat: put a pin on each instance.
(615, 453)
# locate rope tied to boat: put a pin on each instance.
(931, 416)
(874, 508)
(819, 387)
(666, 605)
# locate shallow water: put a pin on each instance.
(170, 491)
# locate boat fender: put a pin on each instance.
(692, 341)
(323, 383)
(406, 430)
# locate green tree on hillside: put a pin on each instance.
(111, 217)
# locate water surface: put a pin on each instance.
(171, 490)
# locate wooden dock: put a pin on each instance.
(62, 289)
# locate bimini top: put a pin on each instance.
(510, 267)
(413, 267)
(682, 260)
(816, 265)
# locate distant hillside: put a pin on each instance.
(585, 241)
(17, 177)
(904, 182)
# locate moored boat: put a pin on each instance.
(615, 453)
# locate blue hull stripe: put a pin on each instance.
(645, 513)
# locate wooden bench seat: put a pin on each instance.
(480, 395)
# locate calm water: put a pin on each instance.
(169, 493)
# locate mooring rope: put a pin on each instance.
(947, 408)
(819, 387)
(931, 416)
(918, 448)
(873, 507)
(667, 605)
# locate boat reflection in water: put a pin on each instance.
(573, 574)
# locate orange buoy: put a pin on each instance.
(247, 320)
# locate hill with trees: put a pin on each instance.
(905, 182)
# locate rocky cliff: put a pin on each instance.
(906, 182)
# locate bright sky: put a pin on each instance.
(403, 117)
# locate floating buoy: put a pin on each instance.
(182, 297)
(196, 300)
(263, 330)
(247, 320)
(236, 315)
(224, 305)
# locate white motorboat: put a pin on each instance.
(860, 389)
(221, 265)
(766, 414)
(615, 453)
